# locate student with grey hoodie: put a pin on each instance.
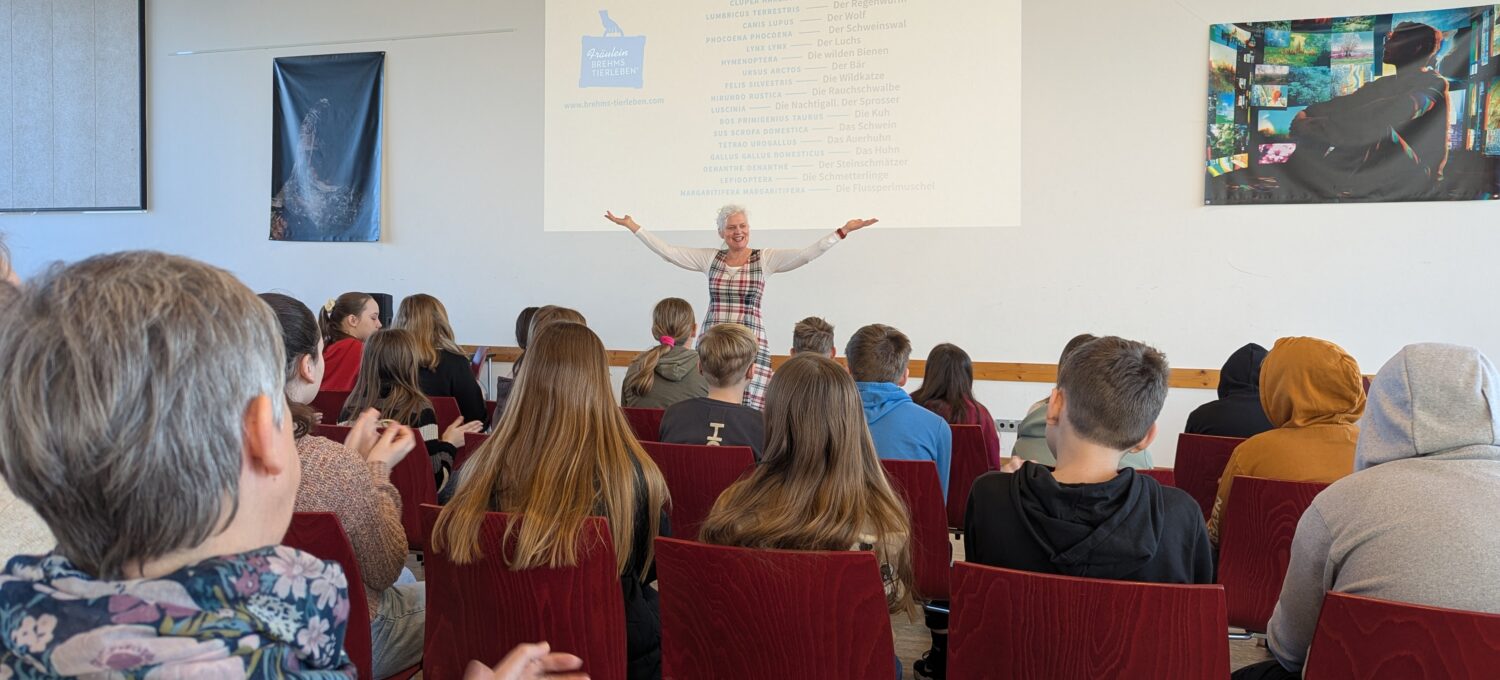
(1415, 522)
(667, 373)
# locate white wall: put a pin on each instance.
(1115, 238)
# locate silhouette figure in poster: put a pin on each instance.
(609, 24)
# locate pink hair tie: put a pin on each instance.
(669, 341)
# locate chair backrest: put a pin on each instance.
(338, 433)
(1255, 544)
(330, 403)
(482, 609)
(413, 480)
(445, 409)
(321, 534)
(931, 553)
(1360, 638)
(1201, 460)
(969, 462)
(644, 422)
(1016, 624)
(732, 613)
(472, 442)
(1163, 476)
(696, 475)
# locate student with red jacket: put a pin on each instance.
(948, 390)
(346, 323)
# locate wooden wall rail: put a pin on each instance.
(998, 371)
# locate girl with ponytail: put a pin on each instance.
(667, 373)
(345, 323)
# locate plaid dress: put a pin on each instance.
(734, 295)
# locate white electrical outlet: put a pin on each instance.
(1007, 425)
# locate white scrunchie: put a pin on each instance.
(328, 306)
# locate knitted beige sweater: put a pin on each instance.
(337, 480)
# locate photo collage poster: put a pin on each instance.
(1386, 107)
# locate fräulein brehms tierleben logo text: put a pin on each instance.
(612, 59)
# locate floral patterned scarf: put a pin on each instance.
(269, 613)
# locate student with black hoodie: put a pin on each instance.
(1237, 412)
(1088, 517)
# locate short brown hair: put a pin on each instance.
(812, 334)
(725, 352)
(1114, 389)
(877, 353)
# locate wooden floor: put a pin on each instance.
(912, 638)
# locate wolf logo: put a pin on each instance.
(609, 24)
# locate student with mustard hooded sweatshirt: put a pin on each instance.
(1313, 393)
(1415, 522)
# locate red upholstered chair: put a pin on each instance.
(645, 422)
(489, 407)
(321, 535)
(472, 442)
(338, 433)
(413, 480)
(482, 609)
(1016, 624)
(696, 475)
(1201, 460)
(445, 409)
(931, 554)
(968, 463)
(734, 613)
(330, 404)
(1255, 545)
(1164, 476)
(1360, 638)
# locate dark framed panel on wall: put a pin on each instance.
(73, 106)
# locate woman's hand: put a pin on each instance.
(856, 224)
(529, 662)
(455, 433)
(362, 433)
(393, 445)
(625, 221)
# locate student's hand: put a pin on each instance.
(1012, 464)
(625, 221)
(455, 433)
(857, 224)
(527, 662)
(363, 433)
(393, 445)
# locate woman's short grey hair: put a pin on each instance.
(727, 212)
(126, 379)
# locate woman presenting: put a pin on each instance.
(737, 276)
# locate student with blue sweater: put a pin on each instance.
(902, 429)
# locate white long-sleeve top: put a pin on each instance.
(772, 260)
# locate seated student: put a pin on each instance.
(727, 360)
(813, 334)
(667, 373)
(504, 383)
(346, 323)
(1237, 411)
(820, 486)
(901, 429)
(1313, 393)
(353, 481)
(1031, 434)
(25, 533)
(158, 449)
(1415, 522)
(443, 370)
(564, 452)
(388, 384)
(948, 390)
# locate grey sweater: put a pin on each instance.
(1416, 520)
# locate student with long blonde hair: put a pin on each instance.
(564, 452)
(667, 373)
(443, 370)
(388, 383)
(820, 485)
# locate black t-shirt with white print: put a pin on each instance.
(706, 421)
